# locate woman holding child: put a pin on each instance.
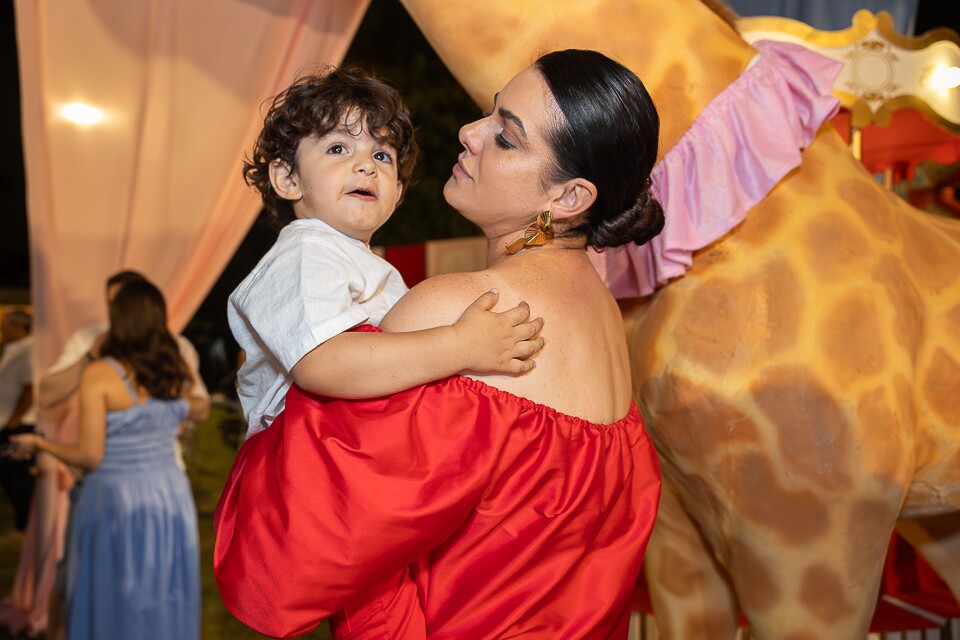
(479, 506)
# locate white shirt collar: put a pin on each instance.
(323, 226)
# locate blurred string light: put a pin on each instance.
(81, 114)
(943, 78)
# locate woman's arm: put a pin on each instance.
(369, 365)
(87, 452)
(199, 404)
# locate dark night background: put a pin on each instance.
(389, 44)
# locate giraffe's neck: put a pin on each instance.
(480, 44)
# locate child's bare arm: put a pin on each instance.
(368, 365)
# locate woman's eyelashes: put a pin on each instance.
(501, 141)
(498, 137)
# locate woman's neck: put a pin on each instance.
(497, 253)
(497, 247)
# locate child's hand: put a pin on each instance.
(493, 342)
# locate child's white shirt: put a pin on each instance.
(314, 283)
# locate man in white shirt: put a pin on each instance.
(16, 406)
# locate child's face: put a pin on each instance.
(345, 178)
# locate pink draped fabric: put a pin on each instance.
(155, 185)
(747, 139)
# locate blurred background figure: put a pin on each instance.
(34, 605)
(61, 380)
(132, 564)
(16, 407)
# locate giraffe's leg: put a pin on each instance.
(691, 595)
(826, 589)
(937, 539)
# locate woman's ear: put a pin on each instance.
(284, 180)
(577, 196)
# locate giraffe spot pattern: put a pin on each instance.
(884, 452)
(684, 405)
(813, 431)
(941, 388)
(833, 245)
(679, 572)
(709, 625)
(755, 491)
(872, 204)
(904, 300)
(729, 325)
(869, 517)
(762, 223)
(757, 587)
(929, 256)
(672, 96)
(851, 339)
(953, 319)
(822, 593)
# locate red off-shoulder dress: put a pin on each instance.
(451, 510)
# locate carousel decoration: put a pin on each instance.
(883, 70)
(888, 80)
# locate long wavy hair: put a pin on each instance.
(139, 337)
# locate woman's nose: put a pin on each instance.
(470, 136)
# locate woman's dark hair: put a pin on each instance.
(139, 337)
(610, 136)
(122, 278)
(314, 105)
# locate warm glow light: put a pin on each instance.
(945, 78)
(81, 114)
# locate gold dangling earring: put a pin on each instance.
(536, 234)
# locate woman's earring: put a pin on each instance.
(534, 235)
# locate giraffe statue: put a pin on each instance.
(801, 381)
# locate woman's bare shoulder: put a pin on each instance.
(99, 377)
(437, 301)
(99, 372)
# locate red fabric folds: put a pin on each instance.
(452, 510)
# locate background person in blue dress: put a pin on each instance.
(133, 566)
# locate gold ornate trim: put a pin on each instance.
(863, 23)
(883, 70)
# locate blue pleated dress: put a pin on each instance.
(132, 557)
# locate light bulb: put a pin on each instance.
(81, 114)
(944, 78)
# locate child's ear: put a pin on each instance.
(284, 180)
(399, 193)
(577, 196)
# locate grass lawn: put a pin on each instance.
(209, 456)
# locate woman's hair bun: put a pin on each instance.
(638, 224)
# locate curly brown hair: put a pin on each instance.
(314, 105)
(139, 337)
